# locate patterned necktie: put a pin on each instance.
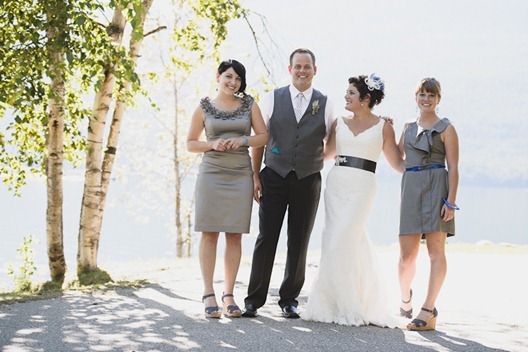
(299, 106)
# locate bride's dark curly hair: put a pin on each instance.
(376, 95)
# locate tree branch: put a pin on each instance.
(254, 34)
(160, 28)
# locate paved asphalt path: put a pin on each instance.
(482, 308)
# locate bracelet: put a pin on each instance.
(245, 140)
(449, 205)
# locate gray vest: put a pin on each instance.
(296, 146)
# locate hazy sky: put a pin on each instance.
(477, 49)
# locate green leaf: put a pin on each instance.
(69, 57)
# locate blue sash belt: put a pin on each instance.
(426, 167)
(358, 163)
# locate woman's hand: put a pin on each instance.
(447, 213)
(234, 142)
(387, 119)
(219, 145)
(257, 189)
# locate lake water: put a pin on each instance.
(487, 213)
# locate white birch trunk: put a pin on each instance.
(177, 178)
(89, 231)
(54, 160)
(99, 170)
(117, 118)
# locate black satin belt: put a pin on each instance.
(358, 163)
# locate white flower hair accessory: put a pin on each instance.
(374, 82)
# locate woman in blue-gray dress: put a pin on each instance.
(428, 197)
(224, 187)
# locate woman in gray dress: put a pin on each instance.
(428, 198)
(224, 186)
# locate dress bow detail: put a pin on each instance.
(424, 139)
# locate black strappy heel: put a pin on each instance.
(213, 311)
(232, 311)
(407, 313)
(422, 325)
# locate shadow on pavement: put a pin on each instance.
(154, 318)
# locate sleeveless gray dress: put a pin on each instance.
(422, 191)
(224, 186)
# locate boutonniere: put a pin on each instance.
(315, 107)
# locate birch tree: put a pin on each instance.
(57, 22)
(92, 206)
(51, 55)
(37, 37)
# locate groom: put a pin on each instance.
(299, 119)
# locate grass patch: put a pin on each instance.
(109, 286)
(21, 297)
(96, 276)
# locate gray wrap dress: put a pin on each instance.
(224, 186)
(422, 191)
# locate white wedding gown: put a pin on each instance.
(348, 288)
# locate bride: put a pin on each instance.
(348, 288)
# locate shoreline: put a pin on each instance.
(118, 269)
